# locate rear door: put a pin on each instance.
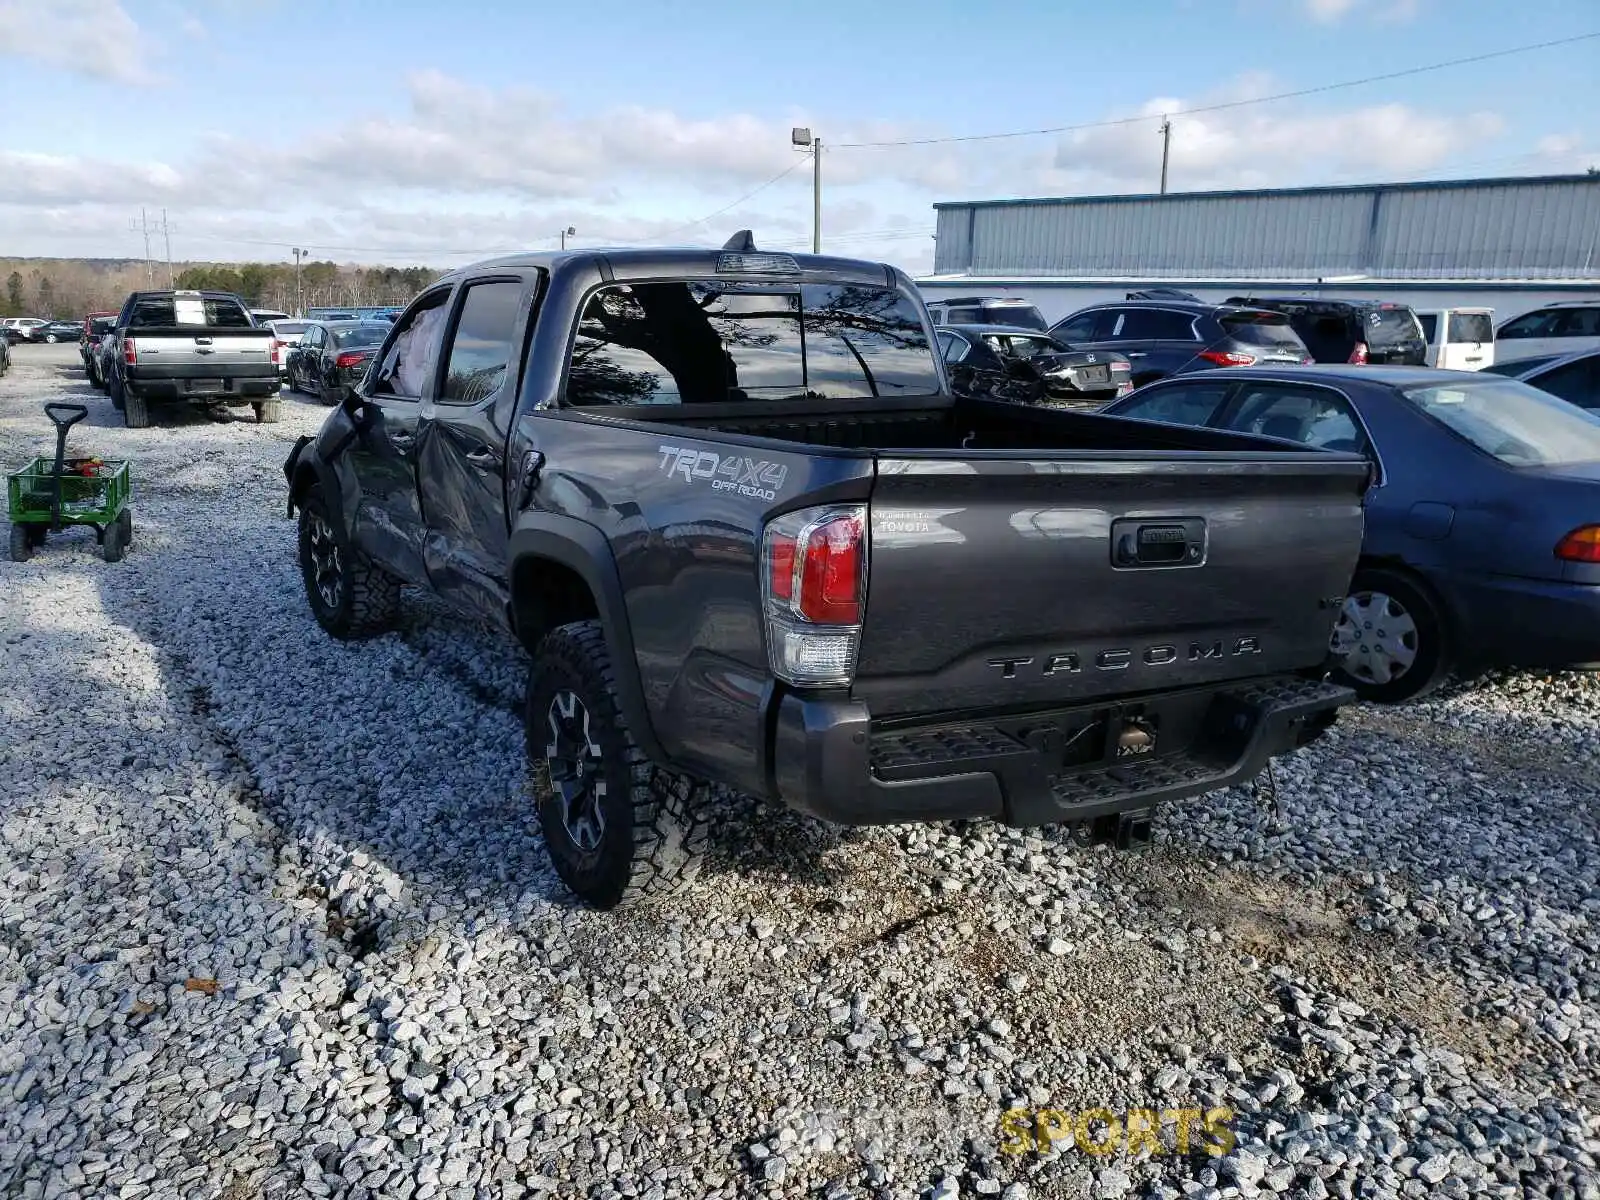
(1393, 336)
(462, 440)
(1466, 341)
(1006, 579)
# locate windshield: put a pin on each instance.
(1023, 316)
(361, 335)
(1391, 326)
(1262, 329)
(711, 342)
(1518, 424)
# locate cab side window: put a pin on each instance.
(480, 353)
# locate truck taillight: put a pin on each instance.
(130, 352)
(275, 352)
(1227, 358)
(1582, 545)
(1358, 356)
(814, 584)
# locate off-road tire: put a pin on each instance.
(655, 831)
(21, 545)
(368, 600)
(1432, 664)
(268, 412)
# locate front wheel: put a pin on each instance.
(21, 544)
(618, 827)
(1391, 637)
(50, 339)
(350, 595)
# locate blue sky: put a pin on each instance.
(409, 132)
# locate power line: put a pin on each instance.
(753, 192)
(1230, 104)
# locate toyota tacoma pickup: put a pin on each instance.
(747, 536)
(191, 348)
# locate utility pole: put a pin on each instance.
(167, 233)
(299, 305)
(569, 231)
(801, 139)
(144, 227)
(1166, 146)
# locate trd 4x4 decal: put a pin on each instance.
(752, 477)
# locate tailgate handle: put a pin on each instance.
(1172, 542)
(202, 341)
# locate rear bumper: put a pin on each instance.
(1511, 622)
(188, 383)
(829, 761)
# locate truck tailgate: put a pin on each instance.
(1012, 580)
(197, 348)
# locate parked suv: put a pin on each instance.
(986, 310)
(1561, 328)
(1351, 331)
(1459, 339)
(1166, 337)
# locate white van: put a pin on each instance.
(1459, 339)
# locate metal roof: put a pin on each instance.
(1512, 229)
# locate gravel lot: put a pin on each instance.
(274, 921)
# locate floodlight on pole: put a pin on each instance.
(569, 231)
(801, 138)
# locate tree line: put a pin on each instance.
(66, 289)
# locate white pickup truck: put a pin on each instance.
(192, 348)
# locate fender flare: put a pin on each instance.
(304, 468)
(585, 550)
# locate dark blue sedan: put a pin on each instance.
(1483, 524)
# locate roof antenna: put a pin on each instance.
(743, 242)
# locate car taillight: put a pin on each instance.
(1227, 358)
(814, 580)
(1581, 545)
(130, 352)
(348, 360)
(1358, 356)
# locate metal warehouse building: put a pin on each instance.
(1510, 244)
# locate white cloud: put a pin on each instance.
(463, 171)
(1331, 12)
(91, 37)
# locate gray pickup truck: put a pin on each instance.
(747, 536)
(191, 348)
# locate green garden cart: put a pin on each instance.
(48, 495)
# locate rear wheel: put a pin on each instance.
(21, 544)
(268, 412)
(350, 595)
(135, 410)
(50, 339)
(1391, 636)
(618, 827)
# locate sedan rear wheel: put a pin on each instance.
(1390, 637)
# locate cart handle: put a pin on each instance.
(74, 414)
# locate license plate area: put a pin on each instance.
(205, 387)
(1091, 375)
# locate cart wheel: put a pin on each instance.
(21, 544)
(268, 412)
(113, 543)
(125, 522)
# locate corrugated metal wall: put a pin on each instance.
(1516, 229)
